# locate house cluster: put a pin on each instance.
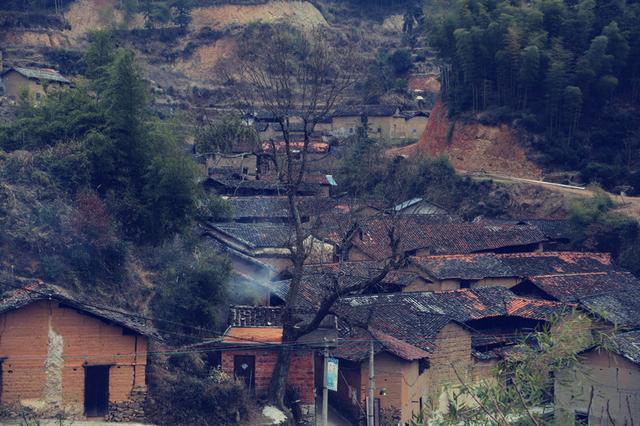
(465, 295)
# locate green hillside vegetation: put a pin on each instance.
(91, 178)
(567, 69)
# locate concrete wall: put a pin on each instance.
(614, 383)
(46, 347)
(301, 370)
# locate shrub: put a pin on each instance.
(182, 392)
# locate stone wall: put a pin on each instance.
(131, 410)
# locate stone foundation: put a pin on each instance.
(131, 410)
(308, 414)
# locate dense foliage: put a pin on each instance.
(568, 69)
(366, 172)
(595, 227)
(113, 146)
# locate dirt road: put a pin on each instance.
(624, 204)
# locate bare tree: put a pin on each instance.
(299, 78)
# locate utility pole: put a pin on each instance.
(372, 388)
(325, 389)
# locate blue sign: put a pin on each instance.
(332, 374)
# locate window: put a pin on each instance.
(379, 129)
(581, 418)
(423, 364)
(465, 284)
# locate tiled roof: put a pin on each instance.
(555, 229)
(415, 232)
(489, 265)
(628, 345)
(573, 287)
(548, 263)
(466, 305)
(274, 207)
(313, 147)
(46, 74)
(370, 110)
(621, 308)
(321, 280)
(255, 316)
(256, 235)
(34, 291)
(230, 185)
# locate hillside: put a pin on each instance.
(472, 146)
(184, 65)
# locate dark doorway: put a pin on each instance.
(244, 367)
(96, 390)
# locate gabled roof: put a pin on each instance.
(322, 280)
(477, 266)
(574, 287)
(38, 290)
(467, 304)
(621, 308)
(255, 235)
(415, 232)
(369, 110)
(627, 345)
(42, 74)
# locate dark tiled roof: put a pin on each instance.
(490, 265)
(466, 305)
(255, 316)
(555, 229)
(322, 280)
(256, 235)
(621, 308)
(416, 232)
(37, 290)
(573, 287)
(229, 185)
(370, 110)
(548, 263)
(265, 207)
(628, 345)
(44, 74)
(466, 267)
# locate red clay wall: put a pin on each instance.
(301, 373)
(46, 347)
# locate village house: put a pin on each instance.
(603, 387)
(260, 330)
(236, 185)
(35, 81)
(60, 353)
(384, 122)
(427, 343)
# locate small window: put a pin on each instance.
(350, 129)
(465, 284)
(423, 365)
(414, 130)
(379, 129)
(581, 418)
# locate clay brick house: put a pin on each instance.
(59, 353)
(36, 81)
(419, 336)
(260, 329)
(603, 387)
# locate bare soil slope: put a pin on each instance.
(300, 13)
(473, 147)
